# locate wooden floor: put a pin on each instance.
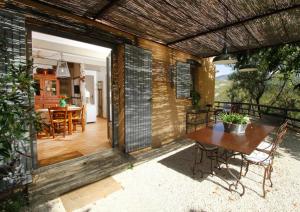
(78, 144)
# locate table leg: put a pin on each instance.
(70, 122)
(233, 175)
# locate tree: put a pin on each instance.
(282, 63)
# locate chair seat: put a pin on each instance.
(264, 146)
(207, 147)
(259, 157)
(59, 121)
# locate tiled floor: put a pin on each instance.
(59, 149)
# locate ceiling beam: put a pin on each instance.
(109, 5)
(232, 12)
(236, 23)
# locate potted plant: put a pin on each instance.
(195, 101)
(234, 122)
(63, 101)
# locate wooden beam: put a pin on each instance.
(236, 23)
(107, 7)
(232, 12)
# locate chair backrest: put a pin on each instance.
(282, 130)
(56, 113)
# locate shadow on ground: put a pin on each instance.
(291, 144)
(183, 163)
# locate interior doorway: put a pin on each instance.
(71, 81)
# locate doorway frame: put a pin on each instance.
(73, 35)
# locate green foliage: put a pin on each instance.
(278, 68)
(17, 114)
(195, 98)
(234, 118)
(15, 202)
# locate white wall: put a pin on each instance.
(101, 76)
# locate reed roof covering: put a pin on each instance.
(196, 26)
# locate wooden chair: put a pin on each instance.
(58, 119)
(265, 159)
(79, 118)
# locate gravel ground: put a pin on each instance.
(167, 184)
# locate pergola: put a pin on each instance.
(194, 26)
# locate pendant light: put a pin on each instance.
(225, 58)
(62, 70)
(249, 66)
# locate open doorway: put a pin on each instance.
(71, 81)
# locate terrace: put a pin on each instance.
(134, 71)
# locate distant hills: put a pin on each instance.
(222, 84)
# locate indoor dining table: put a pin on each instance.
(70, 111)
(235, 144)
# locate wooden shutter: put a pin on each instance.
(138, 92)
(14, 35)
(183, 80)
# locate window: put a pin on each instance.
(183, 80)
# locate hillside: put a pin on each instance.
(222, 84)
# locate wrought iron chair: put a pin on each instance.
(266, 145)
(265, 159)
(211, 152)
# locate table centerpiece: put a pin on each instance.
(234, 122)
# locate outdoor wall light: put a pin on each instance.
(62, 70)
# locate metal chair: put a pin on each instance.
(211, 152)
(265, 159)
(266, 146)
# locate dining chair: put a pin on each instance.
(211, 152)
(266, 145)
(58, 119)
(79, 118)
(265, 159)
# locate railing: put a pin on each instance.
(293, 115)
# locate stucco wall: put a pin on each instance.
(168, 113)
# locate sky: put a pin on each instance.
(223, 70)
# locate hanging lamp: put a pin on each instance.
(225, 58)
(62, 70)
(249, 66)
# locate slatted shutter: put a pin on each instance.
(183, 80)
(13, 40)
(138, 91)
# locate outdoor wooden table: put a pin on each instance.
(70, 111)
(237, 143)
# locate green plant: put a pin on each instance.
(18, 120)
(195, 98)
(234, 118)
